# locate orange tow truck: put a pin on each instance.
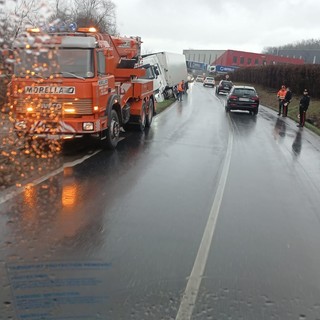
(76, 82)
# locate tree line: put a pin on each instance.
(308, 50)
(310, 44)
(15, 18)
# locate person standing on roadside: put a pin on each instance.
(286, 101)
(281, 94)
(303, 107)
(180, 90)
(186, 86)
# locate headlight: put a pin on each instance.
(69, 110)
(87, 126)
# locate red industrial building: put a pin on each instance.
(246, 59)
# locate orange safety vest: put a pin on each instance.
(180, 87)
(281, 94)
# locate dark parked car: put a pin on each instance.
(243, 98)
(224, 86)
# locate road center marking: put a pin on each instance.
(14, 191)
(193, 285)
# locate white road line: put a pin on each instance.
(13, 192)
(193, 285)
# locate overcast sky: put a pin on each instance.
(248, 25)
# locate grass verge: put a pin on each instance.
(161, 106)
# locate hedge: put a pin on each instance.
(297, 77)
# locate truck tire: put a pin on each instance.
(149, 113)
(167, 94)
(143, 118)
(111, 138)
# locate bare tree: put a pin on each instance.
(24, 13)
(61, 12)
(97, 13)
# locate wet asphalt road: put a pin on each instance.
(117, 236)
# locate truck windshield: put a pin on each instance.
(150, 74)
(68, 63)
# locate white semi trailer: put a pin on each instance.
(166, 69)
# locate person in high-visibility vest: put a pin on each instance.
(180, 90)
(286, 101)
(281, 95)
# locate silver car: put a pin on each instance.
(209, 81)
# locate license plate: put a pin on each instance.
(55, 106)
(244, 99)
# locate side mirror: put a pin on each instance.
(156, 71)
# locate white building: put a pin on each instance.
(204, 56)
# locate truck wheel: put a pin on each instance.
(149, 112)
(143, 118)
(113, 131)
(166, 94)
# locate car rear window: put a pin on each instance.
(210, 79)
(244, 92)
(227, 83)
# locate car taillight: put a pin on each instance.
(233, 97)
